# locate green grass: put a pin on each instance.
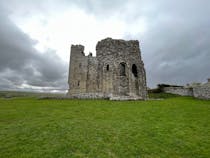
(176, 127)
(11, 94)
(162, 95)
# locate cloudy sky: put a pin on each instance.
(35, 38)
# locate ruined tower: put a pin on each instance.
(117, 71)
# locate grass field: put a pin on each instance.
(176, 127)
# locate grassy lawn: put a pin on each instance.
(176, 127)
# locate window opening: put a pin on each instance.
(107, 67)
(122, 69)
(134, 70)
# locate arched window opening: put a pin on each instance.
(107, 68)
(122, 69)
(134, 70)
(80, 65)
(78, 83)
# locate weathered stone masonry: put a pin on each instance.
(202, 91)
(117, 71)
(197, 90)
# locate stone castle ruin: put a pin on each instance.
(117, 72)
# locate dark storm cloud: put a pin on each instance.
(21, 64)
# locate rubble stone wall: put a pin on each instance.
(179, 90)
(202, 92)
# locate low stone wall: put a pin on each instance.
(102, 96)
(202, 92)
(88, 96)
(179, 90)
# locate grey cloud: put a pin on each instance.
(21, 64)
(176, 47)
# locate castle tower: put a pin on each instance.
(121, 70)
(77, 70)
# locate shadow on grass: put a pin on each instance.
(162, 95)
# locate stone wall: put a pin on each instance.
(198, 90)
(88, 96)
(183, 91)
(202, 91)
(92, 73)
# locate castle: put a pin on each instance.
(116, 73)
